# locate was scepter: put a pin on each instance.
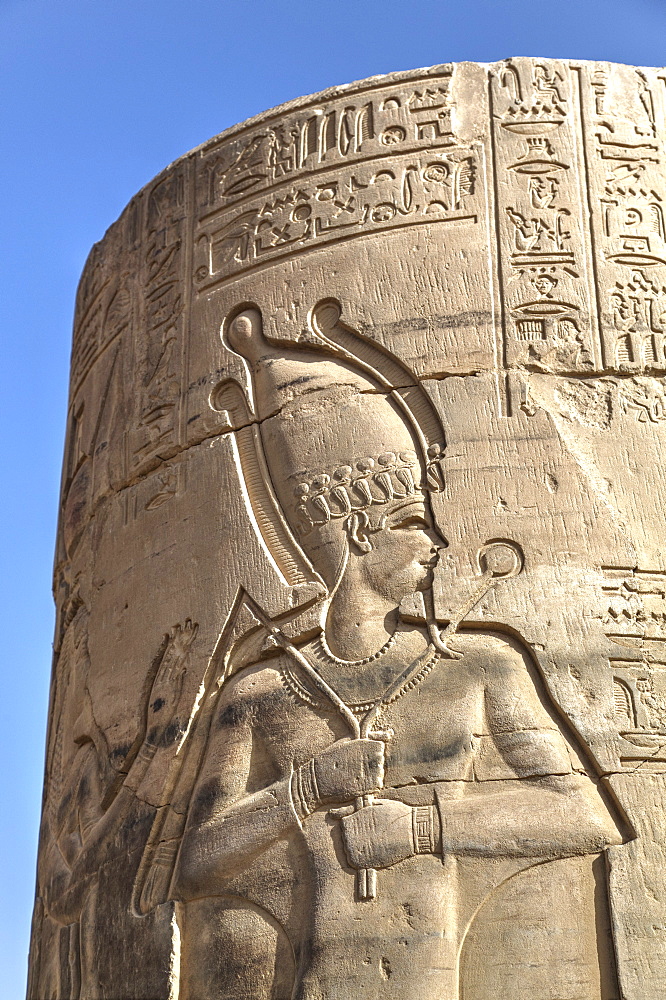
(499, 560)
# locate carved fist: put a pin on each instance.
(349, 769)
(343, 772)
(378, 835)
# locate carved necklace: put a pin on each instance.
(294, 685)
(323, 650)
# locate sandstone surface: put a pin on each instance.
(359, 685)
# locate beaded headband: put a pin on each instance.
(370, 481)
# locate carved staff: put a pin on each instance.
(366, 881)
(366, 878)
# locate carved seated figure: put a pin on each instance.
(467, 783)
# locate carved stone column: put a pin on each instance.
(360, 675)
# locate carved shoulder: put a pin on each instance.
(493, 653)
(516, 696)
(247, 693)
(521, 717)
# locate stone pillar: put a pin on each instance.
(360, 663)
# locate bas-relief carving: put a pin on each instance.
(418, 738)
(421, 825)
(372, 197)
(88, 800)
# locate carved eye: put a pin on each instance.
(413, 523)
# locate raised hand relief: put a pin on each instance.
(171, 671)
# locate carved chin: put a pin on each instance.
(403, 584)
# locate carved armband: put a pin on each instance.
(140, 765)
(304, 791)
(166, 853)
(424, 830)
(147, 752)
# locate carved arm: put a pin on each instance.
(544, 804)
(86, 838)
(228, 826)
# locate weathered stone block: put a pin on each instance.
(360, 674)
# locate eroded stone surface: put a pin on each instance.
(360, 675)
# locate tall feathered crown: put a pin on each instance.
(338, 435)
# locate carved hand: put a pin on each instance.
(341, 773)
(169, 677)
(384, 833)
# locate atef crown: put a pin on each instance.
(324, 497)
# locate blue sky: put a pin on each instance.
(99, 95)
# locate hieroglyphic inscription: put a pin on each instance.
(370, 197)
(333, 172)
(156, 489)
(159, 389)
(625, 139)
(638, 308)
(342, 131)
(103, 328)
(103, 310)
(644, 396)
(636, 623)
(637, 600)
(548, 308)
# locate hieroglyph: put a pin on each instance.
(360, 672)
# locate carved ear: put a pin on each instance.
(358, 530)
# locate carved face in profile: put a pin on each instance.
(404, 550)
(390, 550)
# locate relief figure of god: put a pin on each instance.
(375, 807)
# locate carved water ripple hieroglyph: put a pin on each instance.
(360, 667)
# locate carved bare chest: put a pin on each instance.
(360, 676)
